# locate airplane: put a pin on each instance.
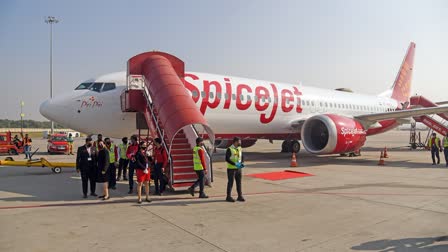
(326, 121)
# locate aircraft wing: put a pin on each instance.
(401, 114)
(370, 120)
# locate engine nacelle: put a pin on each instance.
(332, 134)
(225, 143)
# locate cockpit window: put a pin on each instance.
(96, 87)
(108, 86)
(82, 86)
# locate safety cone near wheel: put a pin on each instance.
(381, 162)
(385, 152)
(293, 160)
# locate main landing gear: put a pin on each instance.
(290, 146)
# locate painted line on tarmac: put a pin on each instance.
(122, 201)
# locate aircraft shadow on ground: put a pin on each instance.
(405, 245)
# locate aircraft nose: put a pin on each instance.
(46, 109)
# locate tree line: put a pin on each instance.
(5, 123)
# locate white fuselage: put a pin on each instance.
(231, 105)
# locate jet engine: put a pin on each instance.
(332, 134)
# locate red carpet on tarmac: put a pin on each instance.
(280, 175)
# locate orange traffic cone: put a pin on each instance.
(385, 152)
(293, 160)
(381, 162)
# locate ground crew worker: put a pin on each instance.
(113, 163)
(199, 167)
(234, 159)
(445, 148)
(160, 162)
(27, 146)
(16, 141)
(124, 161)
(70, 144)
(434, 146)
(130, 153)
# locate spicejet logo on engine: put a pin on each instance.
(266, 102)
(352, 131)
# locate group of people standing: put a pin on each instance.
(98, 162)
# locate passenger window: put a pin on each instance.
(96, 87)
(249, 98)
(203, 94)
(211, 95)
(195, 94)
(108, 86)
(218, 95)
(242, 97)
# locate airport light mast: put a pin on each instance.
(51, 20)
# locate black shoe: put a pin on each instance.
(84, 196)
(130, 191)
(106, 198)
(148, 200)
(230, 199)
(139, 201)
(241, 199)
(93, 194)
(191, 191)
(438, 162)
(203, 196)
(101, 197)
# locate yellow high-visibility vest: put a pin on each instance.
(112, 153)
(196, 159)
(123, 150)
(236, 154)
(445, 142)
(437, 142)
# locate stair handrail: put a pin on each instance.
(159, 130)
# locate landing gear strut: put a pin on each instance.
(289, 146)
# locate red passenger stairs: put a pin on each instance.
(440, 126)
(155, 89)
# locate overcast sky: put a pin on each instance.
(331, 44)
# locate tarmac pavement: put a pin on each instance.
(350, 204)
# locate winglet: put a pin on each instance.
(401, 89)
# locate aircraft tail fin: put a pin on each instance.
(401, 89)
